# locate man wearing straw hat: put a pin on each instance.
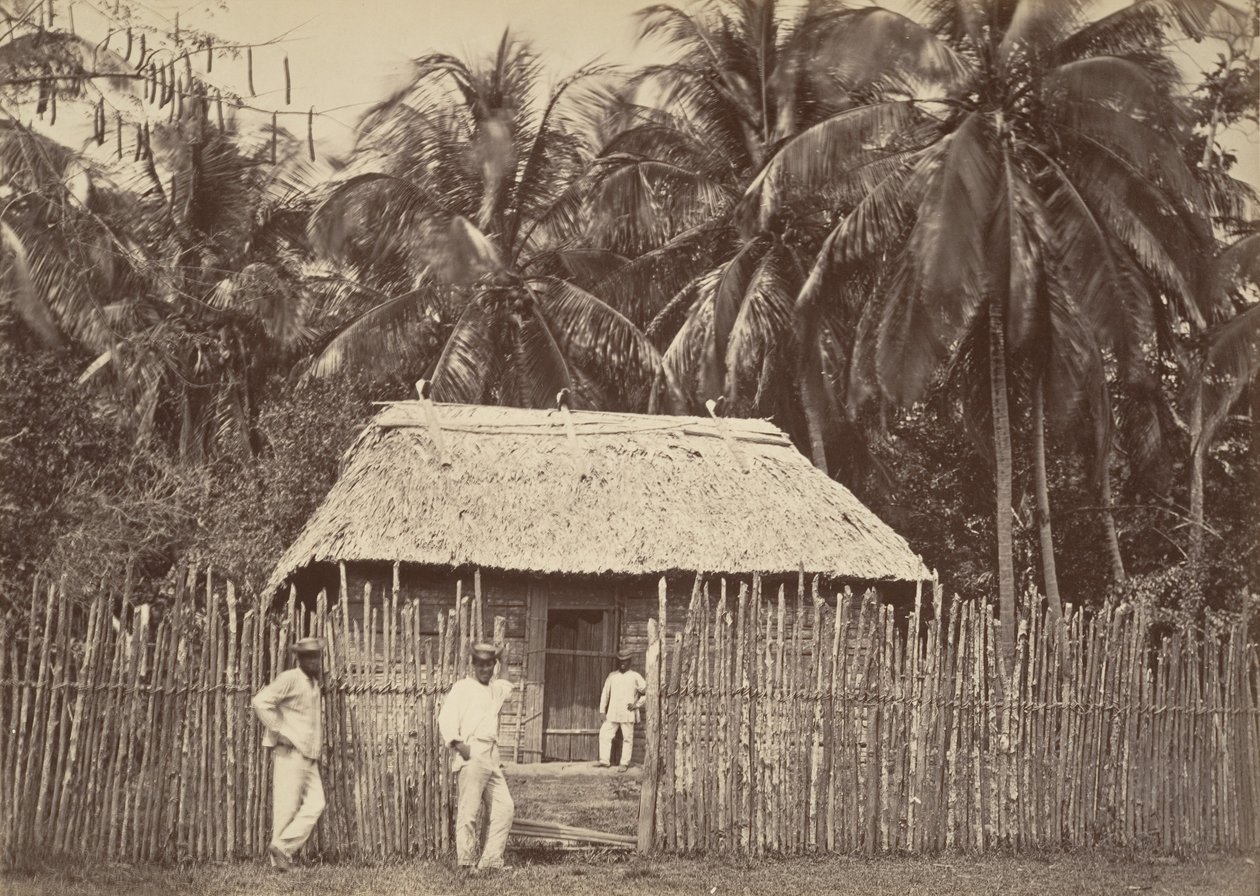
(623, 695)
(469, 722)
(289, 708)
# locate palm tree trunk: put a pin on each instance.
(1049, 577)
(1002, 473)
(1195, 553)
(1118, 574)
(814, 418)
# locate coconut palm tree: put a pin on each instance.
(211, 240)
(714, 282)
(464, 218)
(1043, 168)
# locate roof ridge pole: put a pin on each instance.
(725, 432)
(425, 390)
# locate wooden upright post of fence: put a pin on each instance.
(652, 754)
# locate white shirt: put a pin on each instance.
(290, 705)
(620, 690)
(470, 713)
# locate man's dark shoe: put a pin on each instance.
(279, 858)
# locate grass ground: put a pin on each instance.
(550, 873)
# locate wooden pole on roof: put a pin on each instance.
(714, 408)
(425, 390)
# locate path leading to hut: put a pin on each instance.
(577, 794)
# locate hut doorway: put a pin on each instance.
(579, 655)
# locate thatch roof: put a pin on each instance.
(591, 493)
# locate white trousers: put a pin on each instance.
(606, 732)
(481, 782)
(297, 798)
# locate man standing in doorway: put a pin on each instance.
(469, 722)
(623, 695)
(289, 708)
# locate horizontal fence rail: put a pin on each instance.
(796, 726)
(773, 726)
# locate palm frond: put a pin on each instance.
(1231, 364)
(596, 336)
(872, 44)
(814, 157)
(464, 371)
(539, 364)
(948, 241)
(356, 340)
(341, 213)
(21, 292)
(650, 282)
(762, 325)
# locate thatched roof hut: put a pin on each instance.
(592, 493)
(570, 519)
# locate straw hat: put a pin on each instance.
(624, 656)
(483, 650)
(307, 646)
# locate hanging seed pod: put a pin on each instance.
(310, 133)
(288, 84)
(188, 74)
(218, 108)
(275, 134)
(118, 133)
(52, 106)
(139, 145)
(249, 69)
(177, 108)
(209, 55)
(177, 27)
(104, 44)
(161, 76)
(127, 55)
(51, 14)
(150, 83)
(148, 142)
(99, 121)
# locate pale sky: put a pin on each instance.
(345, 54)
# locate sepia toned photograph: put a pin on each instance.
(604, 446)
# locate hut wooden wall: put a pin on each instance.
(523, 601)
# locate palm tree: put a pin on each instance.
(1043, 169)
(1221, 364)
(211, 243)
(714, 281)
(466, 219)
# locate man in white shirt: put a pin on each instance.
(469, 722)
(289, 709)
(623, 694)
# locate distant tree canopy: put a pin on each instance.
(987, 264)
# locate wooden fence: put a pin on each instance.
(128, 739)
(777, 728)
(770, 729)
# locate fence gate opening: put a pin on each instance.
(580, 647)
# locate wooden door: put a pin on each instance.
(580, 648)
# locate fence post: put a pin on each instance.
(652, 756)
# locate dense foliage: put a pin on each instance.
(988, 265)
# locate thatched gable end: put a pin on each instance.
(591, 493)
